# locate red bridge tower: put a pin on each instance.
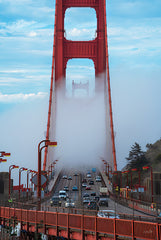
(96, 50)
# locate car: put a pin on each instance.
(98, 179)
(74, 188)
(55, 201)
(85, 195)
(62, 194)
(86, 200)
(69, 203)
(108, 214)
(88, 175)
(93, 194)
(69, 178)
(66, 188)
(75, 174)
(93, 205)
(84, 184)
(91, 182)
(84, 180)
(88, 187)
(96, 198)
(103, 201)
(64, 177)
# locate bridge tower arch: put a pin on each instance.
(66, 49)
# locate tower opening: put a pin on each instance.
(80, 24)
(80, 78)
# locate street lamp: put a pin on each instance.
(3, 160)
(5, 154)
(10, 168)
(105, 163)
(46, 144)
(29, 171)
(53, 167)
(20, 170)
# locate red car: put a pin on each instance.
(88, 187)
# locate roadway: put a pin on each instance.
(77, 196)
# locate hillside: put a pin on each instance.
(153, 155)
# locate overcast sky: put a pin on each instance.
(26, 38)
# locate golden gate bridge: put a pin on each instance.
(76, 224)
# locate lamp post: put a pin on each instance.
(105, 163)
(4, 154)
(53, 165)
(10, 168)
(3, 160)
(108, 171)
(46, 144)
(29, 171)
(20, 170)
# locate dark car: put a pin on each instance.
(93, 194)
(84, 180)
(97, 198)
(66, 188)
(91, 182)
(75, 174)
(103, 202)
(55, 201)
(93, 205)
(85, 195)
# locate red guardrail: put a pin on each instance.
(75, 226)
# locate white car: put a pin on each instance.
(69, 203)
(98, 179)
(62, 194)
(107, 214)
(88, 175)
(84, 184)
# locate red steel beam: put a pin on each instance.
(109, 91)
(51, 87)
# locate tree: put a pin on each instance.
(136, 157)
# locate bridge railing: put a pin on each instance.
(66, 224)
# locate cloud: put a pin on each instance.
(81, 67)
(22, 127)
(10, 98)
(32, 34)
(22, 27)
(135, 40)
(80, 34)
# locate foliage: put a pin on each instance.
(136, 157)
(157, 159)
(149, 145)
